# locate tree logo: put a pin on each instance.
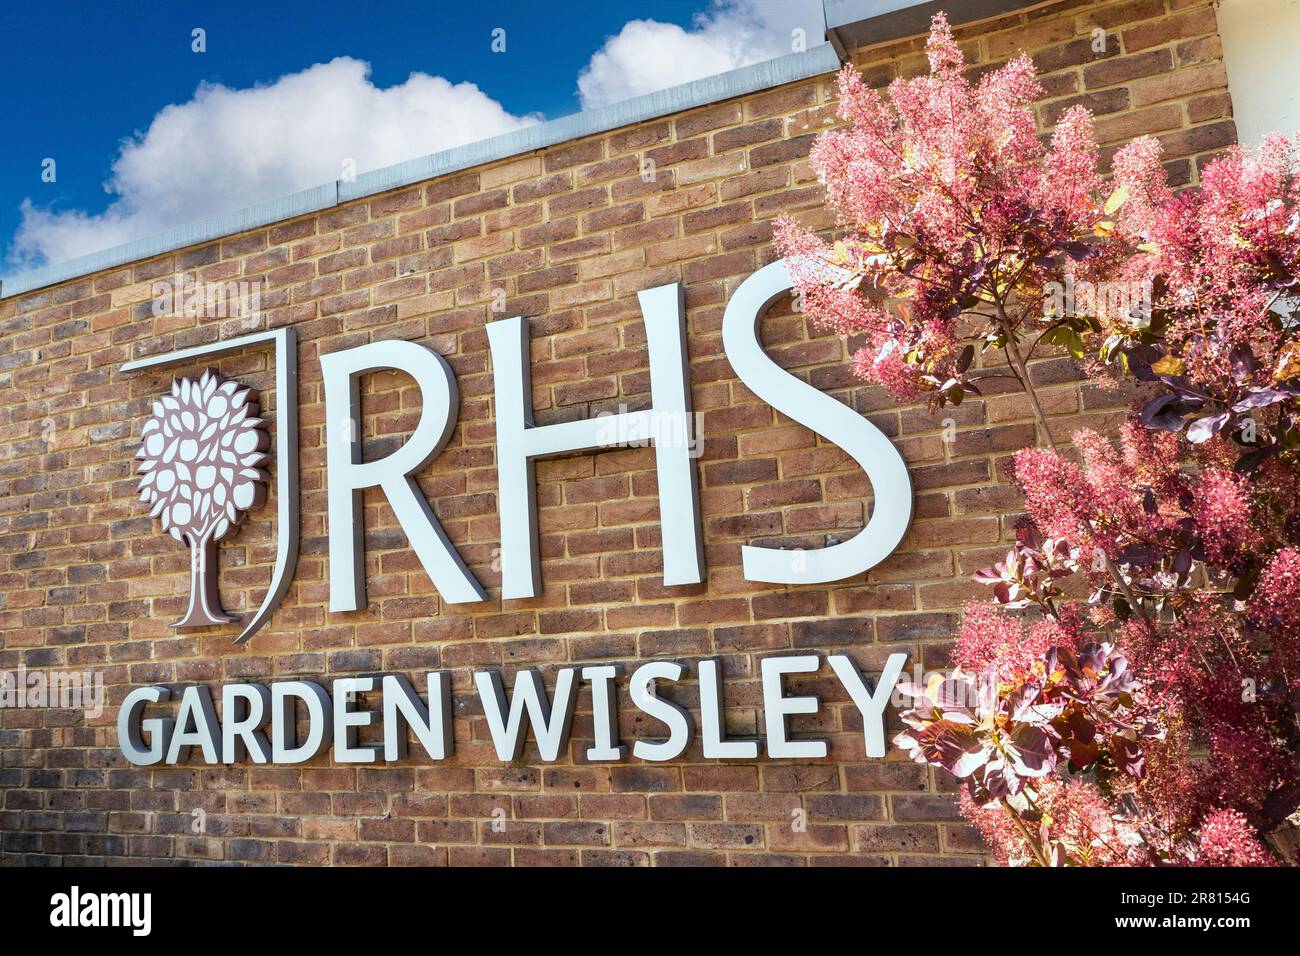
(200, 454)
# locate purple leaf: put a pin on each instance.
(1032, 753)
(1158, 413)
(1263, 397)
(954, 692)
(1205, 428)
(1242, 360)
(1128, 757)
(955, 748)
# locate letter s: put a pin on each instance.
(833, 420)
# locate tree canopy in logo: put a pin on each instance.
(200, 454)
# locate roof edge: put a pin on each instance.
(860, 24)
(712, 89)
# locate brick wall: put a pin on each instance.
(569, 234)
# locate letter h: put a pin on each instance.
(668, 420)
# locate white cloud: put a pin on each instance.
(230, 148)
(647, 55)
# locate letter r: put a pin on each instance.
(347, 475)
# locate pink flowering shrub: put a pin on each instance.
(1226, 838)
(1152, 720)
(999, 737)
(1075, 824)
(951, 208)
(1274, 608)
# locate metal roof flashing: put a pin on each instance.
(790, 68)
(854, 24)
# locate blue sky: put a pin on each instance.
(146, 133)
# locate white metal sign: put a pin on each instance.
(668, 423)
(261, 724)
(201, 455)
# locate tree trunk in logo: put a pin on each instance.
(200, 451)
(205, 604)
